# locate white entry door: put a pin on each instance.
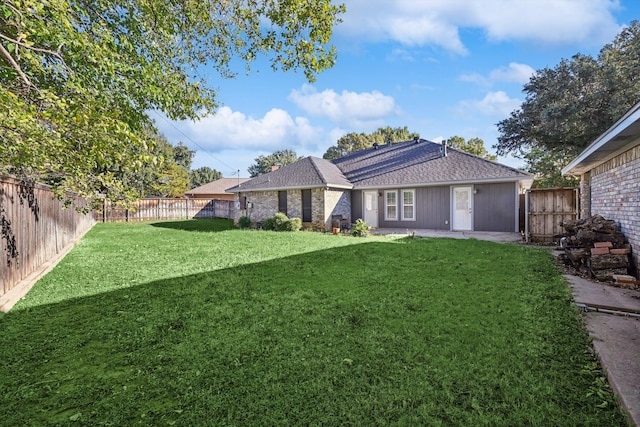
(462, 208)
(370, 208)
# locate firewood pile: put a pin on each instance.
(595, 248)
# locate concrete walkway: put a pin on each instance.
(613, 321)
(495, 236)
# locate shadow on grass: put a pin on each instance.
(343, 336)
(198, 224)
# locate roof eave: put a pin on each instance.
(441, 183)
(292, 187)
(594, 155)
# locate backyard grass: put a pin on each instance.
(193, 323)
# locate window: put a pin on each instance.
(408, 205)
(391, 205)
(306, 206)
(282, 202)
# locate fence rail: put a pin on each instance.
(35, 228)
(161, 209)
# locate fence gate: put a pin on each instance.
(545, 209)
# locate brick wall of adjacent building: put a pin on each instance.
(337, 202)
(615, 194)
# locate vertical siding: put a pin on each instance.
(433, 205)
(356, 205)
(494, 207)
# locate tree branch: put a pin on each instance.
(15, 66)
(56, 53)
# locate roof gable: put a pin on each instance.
(308, 172)
(218, 186)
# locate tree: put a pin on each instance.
(473, 146)
(203, 175)
(569, 106)
(263, 164)
(353, 142)
(77, 78)
(183, 156)
(547, 168)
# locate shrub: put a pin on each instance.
(295, 224)
(269, 224)
(244, 222)
(280, 222)
(360, 229)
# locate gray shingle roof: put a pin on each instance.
(408, 163)
(308, 172)
(398, 164)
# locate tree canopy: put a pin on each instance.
(353, 142)
(203, 175)
(473, 146)
(263, 164)
(78, 77)
(570, 105)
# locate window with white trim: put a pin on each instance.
(391, 205)
(408, 205)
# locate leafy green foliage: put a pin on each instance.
(263, 164)
(570, 105)
(473, 146)
(203, 175)
(244, 222)
(353, 142)
(360, 228)
(78, 78)
(185, 322)
(280, 222)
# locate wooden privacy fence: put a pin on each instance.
(35, 229)
(159, 209)
(546, 209)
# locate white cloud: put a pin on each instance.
(228, 129)
(494, 104)
(345, 108)
(438, 22)
(514, 73)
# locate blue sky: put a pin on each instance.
(439, 67)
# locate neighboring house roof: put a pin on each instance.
(421, 163)
(408, 163)
(308, 172)
(622, 136)
(218, 186)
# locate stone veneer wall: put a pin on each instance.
(337, 202)
(615, 194)
(324, 203)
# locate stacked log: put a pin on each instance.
(595, 247)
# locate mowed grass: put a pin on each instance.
(193, 323)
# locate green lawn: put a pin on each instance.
(193, 323)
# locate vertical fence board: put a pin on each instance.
(548, 208)
(35, 228)
(167, 209)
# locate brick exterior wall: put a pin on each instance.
(324, 204)
(615, 194)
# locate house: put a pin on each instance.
(411, 184)
(215, 190)
(609, 171)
